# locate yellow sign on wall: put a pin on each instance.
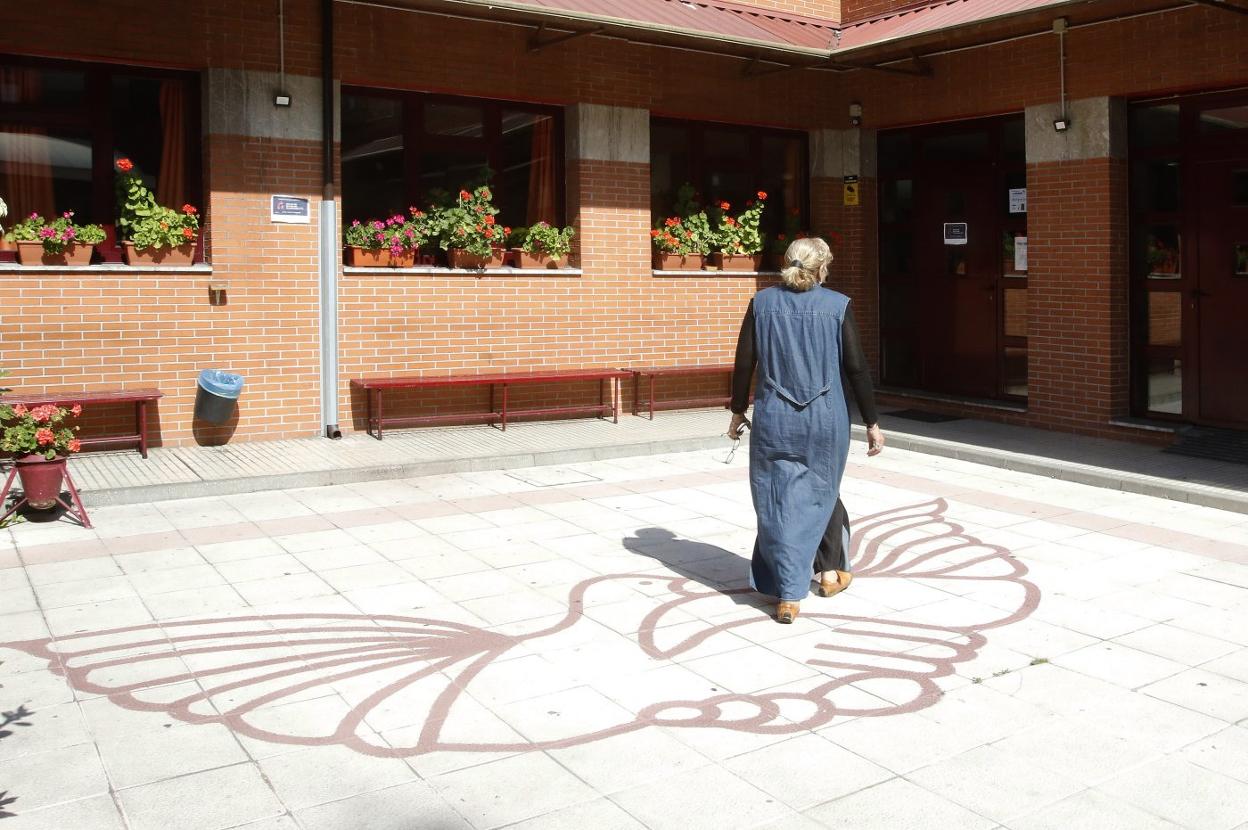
(851, 190)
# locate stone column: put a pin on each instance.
(1078, 370)
(850, 229)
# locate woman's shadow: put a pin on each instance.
(709, 565)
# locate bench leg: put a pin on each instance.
(616, 394)
(652, 397)
(379, 414)
(636, 386)
(602, 398)
(140, 413)
(504, 422)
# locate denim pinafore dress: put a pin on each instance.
(799, 442)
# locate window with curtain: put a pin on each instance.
(63, 125)
(405, 148)
(731, 163)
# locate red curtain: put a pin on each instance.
(25, 156)
(542, 173)
(171, 183)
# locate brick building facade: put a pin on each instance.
(108, 326)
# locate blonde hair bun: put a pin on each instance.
(807, 263)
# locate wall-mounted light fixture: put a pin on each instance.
(281, 99)
(855, 114)
(1062, 123)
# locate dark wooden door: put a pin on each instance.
(1221, 293)
(958, 283)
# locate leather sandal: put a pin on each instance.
(829, 588)
(786, 612)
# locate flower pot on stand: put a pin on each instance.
(41, 480)
(678, 262)
(737, 262)
(182, 255)
(368, 257)
(32, 253)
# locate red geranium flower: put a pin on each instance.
(724, 206)
(654, 233)
(489, 220)
(507, 231)
(485, 193)
(730, 222)
(20, 410)
(464, 195)
(189, 210)
(74, 445)
(188, 233)
(125, 165)
(762, 194)
(44, 436)
(76, 409)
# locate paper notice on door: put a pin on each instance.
(1020, 253)
(1018, 200)
(955, 233)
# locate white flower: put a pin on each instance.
(4, 209)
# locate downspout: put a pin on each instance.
(328, 232)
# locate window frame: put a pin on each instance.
(696, 130)
(416, 140)
(94, 119)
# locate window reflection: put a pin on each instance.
(1224, 120)
(1165, 318)
(1165, 385)
(1016, 371)
(373, 182)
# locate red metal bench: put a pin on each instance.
(139, 397)
(374, 387)
(673, 371)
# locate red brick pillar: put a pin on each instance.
(850, 229)
(608, 197)
(1078, 372)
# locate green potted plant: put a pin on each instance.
(152, 234)
(59, 242)
(366, 244)
(545, 246)
(40, 442)
(682, 240)
(738, 240)
(470, 233)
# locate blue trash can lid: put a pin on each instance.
(221, 383)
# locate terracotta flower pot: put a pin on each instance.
(368, 257)
(407, 259)
(678, 262)
(737, 262)
(523, 259)
(179, 256)
(32, 253)
(459, 258)
(41, 479)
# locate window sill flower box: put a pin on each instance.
(541, 260)
(737, 262)
(368, 257)
(679, 262)
(459, 258)
(179, 256)
(32, 253)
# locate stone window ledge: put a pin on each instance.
(705, 273)
(107, 268)
(437, 271)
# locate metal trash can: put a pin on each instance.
(216, 394)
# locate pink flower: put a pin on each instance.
(70, 233)
(355, 223)
(44, 436)
(74, 445)
(378, 224)
(380, 237)
(20, 410)
(77, 410)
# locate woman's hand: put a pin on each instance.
(737, 426)
(875, 440)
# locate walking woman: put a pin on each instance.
(803, 339)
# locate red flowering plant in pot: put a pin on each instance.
(469, 231)
(149, 233)
(738, 240)
(681, 241)
(59, 242)
(40, 441)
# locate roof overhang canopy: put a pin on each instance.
(791, 41)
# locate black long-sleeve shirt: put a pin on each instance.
(853, 365)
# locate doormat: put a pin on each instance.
(1207, 442)
(923, 415)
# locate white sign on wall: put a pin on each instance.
(1018, 200)
(291, 210)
